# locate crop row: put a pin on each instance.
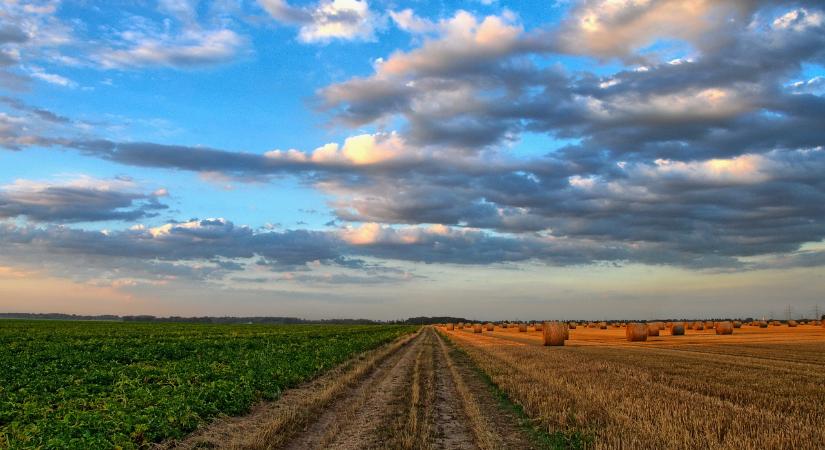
(105, 385)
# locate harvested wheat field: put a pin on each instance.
(757, 388)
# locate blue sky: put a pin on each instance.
(343, 157)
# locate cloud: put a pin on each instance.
(409, 22)
(51, 78)
(611, 28)
(40, 113)
(815, 86)
(799, 20)
(29, 32)
(462, 89)
(9, 33)
(446, 88)
(708, 160)
(83, 199)
(37, 41)
(364, 149)
(192, 48)
(326, 20)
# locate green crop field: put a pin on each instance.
(89, 385)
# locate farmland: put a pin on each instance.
(757, 388)
(184, 386)
(106, 384)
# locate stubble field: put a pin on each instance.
(109, 385)
(755, 389)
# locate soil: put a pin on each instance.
(420, 394)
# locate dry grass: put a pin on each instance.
(758, 388)
(412, 429)
(480, 425)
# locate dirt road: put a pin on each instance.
(417, 394)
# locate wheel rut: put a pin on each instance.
(419, 393)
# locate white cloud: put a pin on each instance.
(191, 48)
(51, 78)
(363, 149)
(608, 28)
(327, 20)
(799, 20)
(409, 22)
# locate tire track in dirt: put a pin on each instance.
(427, 397)
(353, 421)
(410, 402)
(418, 393)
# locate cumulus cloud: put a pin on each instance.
(408, 21)
(709, 160)
(364, 149)
(326, 20)
(619, 28)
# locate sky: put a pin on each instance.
(593, 159)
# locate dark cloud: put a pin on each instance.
(200, 240)
(40, 113)
(705, 161)
(84, 202)
(473, 95)
(10, 34)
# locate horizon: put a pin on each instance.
(341, 158)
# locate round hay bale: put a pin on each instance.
(724, 327)
(572, 325)
(762, 324)
(477, 328)
(538, 326)
(602, 325)
(776, 323)
(818, 323)
(709, 325)
(677, 329)
(490, 327)
(792, 323)
(554, 333)
(636, 332)
(522, 328)
(737, 324)
(450, 326)
(698, 326)
(652, 329)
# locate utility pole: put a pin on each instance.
(788, 312)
